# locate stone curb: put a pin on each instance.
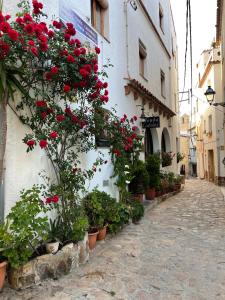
(150, 204)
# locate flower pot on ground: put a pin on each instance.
(150, 193)
(3, 266)
(138, 197)
(92, 238)
(153, 169)
(102, 233)
(140, 179)
(52, 247)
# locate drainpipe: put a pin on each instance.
(127, 43)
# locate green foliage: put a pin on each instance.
(153, 168)
(136, 210)
(167, 158)
(180, 157)
(140, 178)
(25, 229)
(94, 210)
(79, 228)
(119, 216)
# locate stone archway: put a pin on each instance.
(151, 141)
(165, 141)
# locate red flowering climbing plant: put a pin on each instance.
(61, 89)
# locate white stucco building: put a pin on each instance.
(138, 36)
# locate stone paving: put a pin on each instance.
(177, 252)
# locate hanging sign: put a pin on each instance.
(67, 13)
(151, 122)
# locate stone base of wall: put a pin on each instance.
(50, 265)
(220, 181)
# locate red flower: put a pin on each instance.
(77, 42)
(60, 118)
(44, 47)
(77, 52)
(43, 144)
(97, 50)
(57, 24)
(106, 93)
(29, 28)
(31, 43)
(76, 85)
(48, 75)
(95, 68)
(68, 111)
(134, 128)
(40, 103)
(82, 50)
(7, 17)
(84, 73)
(71, 42)
(19, 20)
(105, 85)
(43, 38)
(51, 34)
(70, 59)
(64, 52)
(67, 36)
(66, 88)
(74, 119)
(117, 152)
(4, 49)
(34, 50)
(53, 135)
(5, 27)
(13, 35)
(55, 199)
(83, 83)
(135, 118)
(44, 115)
(98, 84)
(30, 143)
(27, 18)
(54, 70)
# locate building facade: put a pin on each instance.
(138, 38)
(210, 118)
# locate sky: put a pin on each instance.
(203, 32)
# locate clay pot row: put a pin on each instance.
(98, 235)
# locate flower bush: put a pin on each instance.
(167, 158)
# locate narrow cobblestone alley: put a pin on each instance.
(177, 252)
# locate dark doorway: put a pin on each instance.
(163, 143)
(148, 142)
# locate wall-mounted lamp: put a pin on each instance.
(210, 95)
(142, 116)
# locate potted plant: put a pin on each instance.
(180, 157)
(178, 180)
(171, 181)
(167, 158)
(136, 211)
(139, 181)
(164, 183)
(153, 168)
(52, 244)
(3, 266)
(95, 213)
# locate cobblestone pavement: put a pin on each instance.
(177, 252)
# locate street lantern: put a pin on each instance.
(210, 94)
(142, 116)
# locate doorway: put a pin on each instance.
(211, 166)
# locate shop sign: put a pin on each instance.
(151, 122)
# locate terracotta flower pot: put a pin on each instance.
(52, 247)
(92, 237)
(3, 266)
(102, 233)
(150, 194)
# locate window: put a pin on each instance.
(100, 16)
(163, 89)
(161, 18)
(142, 59)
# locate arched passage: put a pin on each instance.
(165, 141)
(151, 141)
